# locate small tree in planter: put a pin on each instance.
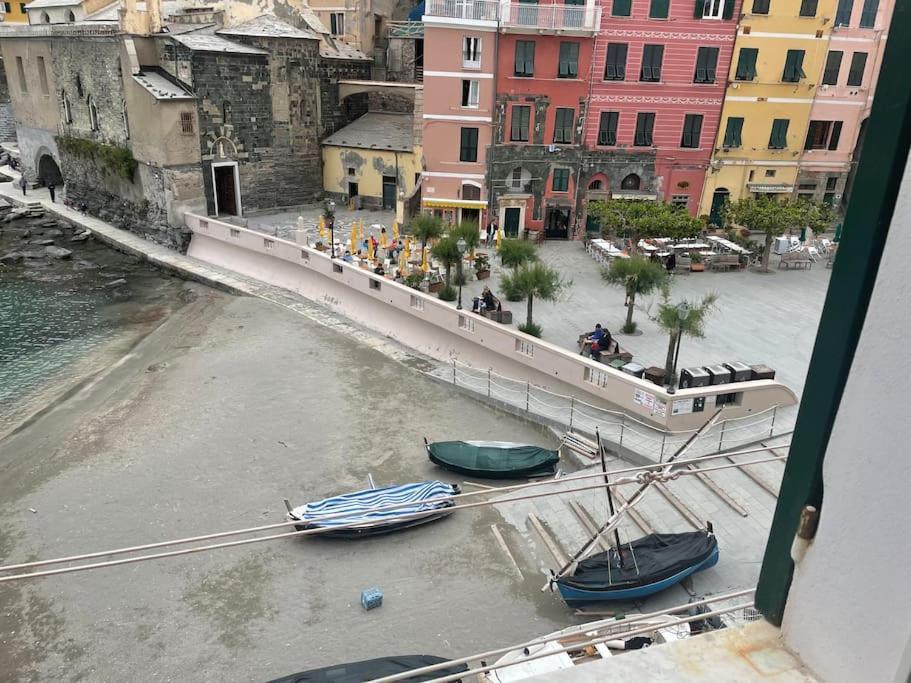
(482, 266)
(447, 253)
(448, 293)
(535, 280)
(697, 265)
(637, 276)
(414, 280)
(513, 254)
(769, 216)
(644, 220)
(680, 319)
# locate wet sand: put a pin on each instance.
(230, 405)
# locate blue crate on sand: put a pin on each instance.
(371, 598)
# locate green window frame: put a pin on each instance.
(856, 72)
(746, 64)
(832, 68)
(843, 12)
(659, 9)
(621, 8)
(525, 58)
(706, 65)
(607, 128)
(733, 132)
(569, 61)
(615, 64)
(563, 125)
(692, 131)
(561, 180)
(652, 56)
(793, 66)
(520, 123)
(468, 145)
(645, 128)
(868, 13)
(778, 139)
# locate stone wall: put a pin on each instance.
(820, 181)
(337, 114)
(400, 55)
(4, 86)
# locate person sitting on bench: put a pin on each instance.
(599, 335)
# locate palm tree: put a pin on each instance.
(682, 318)
(447, 252)
(535, 280)
(472, 237)
(514, 252)
(425, 228)
(637, 276)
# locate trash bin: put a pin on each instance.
(694, 377)
(634, 369)
(740, 372)
(762, 372)
(718, 374)
(655, 375)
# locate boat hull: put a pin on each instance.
(578, 596)
(373, 529)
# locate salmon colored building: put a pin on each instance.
(542, 77)
(458, 107)
(843, 99)
(657, 89)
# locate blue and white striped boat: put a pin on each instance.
(358, 509)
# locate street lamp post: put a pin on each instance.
(462, 247)
(330, 219)
(683, 312)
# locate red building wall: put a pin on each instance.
(672, 98)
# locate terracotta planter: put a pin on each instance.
(697, 267)
(483, 274)
(435, 287)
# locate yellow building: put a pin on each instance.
(14, 12)
(373, 162)
(778, 59)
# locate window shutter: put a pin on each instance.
(699, 9)
(836, 135)
(728, 11)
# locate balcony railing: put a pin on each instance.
(519, 16)
(544, 18)
(481, 10)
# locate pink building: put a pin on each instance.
(843, 99)
(657, 87)
(460, 39)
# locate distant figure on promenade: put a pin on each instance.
(23, 183)
(491, 231)
(486, 302)
(671, 262)
(348, 257)
(598, 337)
(373, 245)
(50, 189)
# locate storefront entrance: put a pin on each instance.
(556, 224)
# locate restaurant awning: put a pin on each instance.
(454, 203)
(769, 188)
(630, 194)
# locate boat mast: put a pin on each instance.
(610, 498)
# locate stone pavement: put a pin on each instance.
(284, 224)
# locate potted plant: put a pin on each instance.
(414, 280)
(482, 266)
(696, 262)
(319, 246)
(436, 284)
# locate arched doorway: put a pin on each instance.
(48, 171)
(718, 199)
(631, 182)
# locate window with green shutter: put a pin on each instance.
(832, 68)
(746, 64)
(714, 9)
(836, 135)
(563, 126)
(779, 137)
(868, 13)
(607, 128)
(692, 131)
(856, 72)
(808, 8)
(793, 66)
(706, 65)
(521, 117)
(652, 56)
(468, 147)
(658, 9)
(561, 180)
(621, 8)
(615, 64)
(645, 128)
(525, 58)
(569, 60)
(733, 131)
(843, 12)
(760, 6)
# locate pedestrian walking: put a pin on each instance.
(23, 183)
(491, 231)
(50, 189)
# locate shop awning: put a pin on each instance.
(630, 194)
(769, 188)
(454, 203)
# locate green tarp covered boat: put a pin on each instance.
(493, 459)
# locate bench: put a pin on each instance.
(795, 259)
(725, 262)
(504, 317)
(612, 353)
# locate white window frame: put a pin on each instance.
(474, 94)
(714, 9)
(467, 43)
(339, 23)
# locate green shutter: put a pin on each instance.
(733, 131)
(779, 137)
(746, 64)
(659, 9)
(622, 8)
(699, 9)
(727, 12)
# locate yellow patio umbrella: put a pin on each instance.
(352, 246)
(424, 259)
(322, 227)
(407, 250)
(499, 237)
(383, 237)
(395, 231)
(403, 263)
